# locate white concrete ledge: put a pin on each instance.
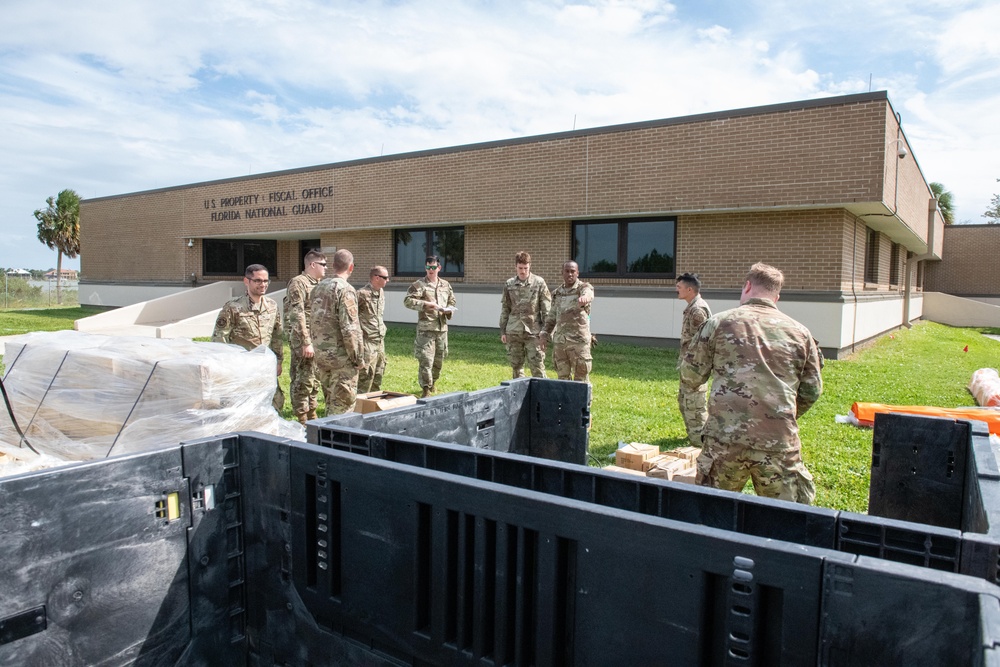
(957, 311)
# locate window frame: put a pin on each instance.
(872, 248)
(240, 261)
(622, 271)
(429, 249)
(894, 271)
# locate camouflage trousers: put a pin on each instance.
(339, 379)
(370, 377)
(303, 385)
(573, 361)
(693, 405)
(430, 348)
(780, 475)
(521, 347)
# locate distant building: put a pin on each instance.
(828, 190)
(18, 273)
(67, 274)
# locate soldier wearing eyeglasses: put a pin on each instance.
(371, 309)
(252, 320)
(434, 301)
(303, 386)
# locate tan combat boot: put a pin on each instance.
(312, 414)
(427, 392)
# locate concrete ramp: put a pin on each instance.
(959, 312)
(188, 314)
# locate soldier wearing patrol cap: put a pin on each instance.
(336, 335)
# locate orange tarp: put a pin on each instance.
(865, 413)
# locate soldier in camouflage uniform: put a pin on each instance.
(568, 326)
(693, 404)
(337, 336)
(523, 308)
(252, 320)
(304, 386)
(371, 307)
(434, 301)
(766, 369)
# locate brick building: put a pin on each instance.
(827, 190)
(967, 264)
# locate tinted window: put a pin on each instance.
(413, 246)
(626, 248)
(230, 257)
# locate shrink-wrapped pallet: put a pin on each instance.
(985, 387)
(79, 396)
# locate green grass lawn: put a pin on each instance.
(635, 389)
(46, 319)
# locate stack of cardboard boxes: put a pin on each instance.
(677, 465)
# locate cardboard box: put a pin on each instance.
(664, 458)
(689, 453)
(634, 454)
(686, 476)
(626, 470)
(374, 401)
(667, 466)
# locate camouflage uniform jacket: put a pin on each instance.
(439, 293)
(766, 373)
(246, 325)
(333, 321)
(524, 305)
(297, 310)
(694, 316)
(568, 321)
(371, 307)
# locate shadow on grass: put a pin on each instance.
(58, 313)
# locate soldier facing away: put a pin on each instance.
(304, 387)
(766, 369)
(371, 310)
(252, 320)
(434, 301)
(523, 308)
(692, 403)
(568, 326)
(337, 336)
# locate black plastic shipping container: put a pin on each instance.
(247, 550)
(935, 490)
(548, 419)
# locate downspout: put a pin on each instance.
(932, 209)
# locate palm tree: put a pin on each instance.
(59, 229)
(992, 214)
(946, 202)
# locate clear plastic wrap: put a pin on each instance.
(79, 396)
(985, 387)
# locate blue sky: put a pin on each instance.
(113, 97)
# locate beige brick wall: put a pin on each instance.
(968, 262)
(722, 247)
(765, 185)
